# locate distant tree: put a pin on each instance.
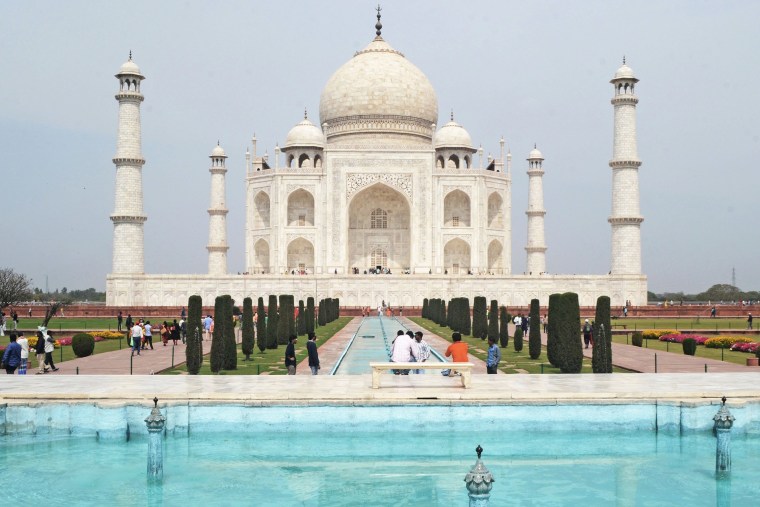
(194, 326)
(14, 287)
(247, 331)
(721, 292)
(534, 333)
(503, 327)
(272, 318)
(493, 321)
(261, 326)
(217, 337)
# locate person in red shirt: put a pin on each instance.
(457, 351)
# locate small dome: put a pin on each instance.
(129, 68)
(305, 134)
(453, 135)
(218, 151)
(535, 154)
(624, 72)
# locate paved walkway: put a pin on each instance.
(118, 362)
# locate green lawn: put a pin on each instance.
(511, 361)
(271, 361)
(702, 351)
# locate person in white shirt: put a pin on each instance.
(423, 350)
(404, 350)
(24, 353)
(137, 332)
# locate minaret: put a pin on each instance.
(217, 215)
(626, 215)
(128, 217)
(536, 247)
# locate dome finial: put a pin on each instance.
(217, 142)
(305, 114)
(130, 55)
(378, 25)
(623, 59)
(534, 146)
(452, 114)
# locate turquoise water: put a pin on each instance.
(400, 468)
(372, 343)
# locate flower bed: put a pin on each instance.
(106, 335)
(679, 338)
(746, 347)
(724, 341)
(654, 334)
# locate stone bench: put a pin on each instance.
(465, 369)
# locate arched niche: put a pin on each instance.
(300, 256)
(300, 208)
(495, 211)
(261, 211)
(456, 209)
(456, 257)
(260, 257)
(495, 262)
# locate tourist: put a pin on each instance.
(174, 331)
(625, 311)
(119, 319)
(494, 356)
(749, 321)
(49, 348)
(136, 340)
(423, 351)
(30, 312)
(403, 350)
(524, 324)
(207, 327)
(2, 323)
(165, 333)
(11, 356)
(183, 330)
(148, 336)
(457, 351)
(543, 323)
(182, 314)
(311, 348)
(24, 343)
(14, 318)
(290, 355)
(587, 333)
(39, 349)
(129, 322)
(713, 312)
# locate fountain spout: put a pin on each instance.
(723, 423)
(155, 423)
(479, 482)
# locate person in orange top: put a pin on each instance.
(457, 351)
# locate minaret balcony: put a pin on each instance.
(625, 220)
(625, 163)
(129, 96)
(217, 211)
(624, 99)
(125, 219)
(128, 161)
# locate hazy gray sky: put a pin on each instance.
(534, 71)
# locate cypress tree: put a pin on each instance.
(309, 315)
(551, 330)
(601, 357)
(230, 345)
(518, 340)
(479, 319)
(217, 337)
(301, 322)
(444, 314)
(261, 326)
(534, 333)
(466, 322)
(569, 334)
(194, 326)
(247, 331)
(425, 308)
(272, 322)
(321, 313)
(283, 330)
(287, 317)
(493, 321)
(337, 308)
(503, 327)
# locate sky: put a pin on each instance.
(534, 72)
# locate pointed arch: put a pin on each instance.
(260, 263)
(495, 257)
(456, 257)
(456, 209)
(453, 162)
(301, 256)
(495, 211)
(261, 210)
(300, 208)
(304, 161)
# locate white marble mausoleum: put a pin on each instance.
(377, 185)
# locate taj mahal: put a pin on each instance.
(377, 200)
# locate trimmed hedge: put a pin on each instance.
(272, 322)
(518, 339)
(503, 327)
(479, 317)
(217, 337)
(261, 326)
(309, 315)
(570, 349)
(551, 331)
(82, 344)
(230, 346)
(689, 346)
(493, 321)
(637, 339)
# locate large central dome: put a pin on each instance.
(378, 90)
